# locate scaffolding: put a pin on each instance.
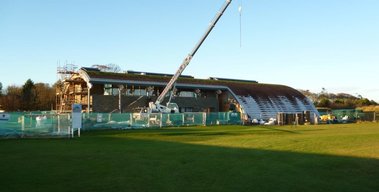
(69, 90)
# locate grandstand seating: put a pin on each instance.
(269, 107)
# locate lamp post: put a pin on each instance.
(89, 86)
(120, 88)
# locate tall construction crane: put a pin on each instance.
(173, 107)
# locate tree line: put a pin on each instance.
(42, 96)
(37, 96)
(28, 97)
(337, 101)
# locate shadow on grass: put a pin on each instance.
(274, 128)
(125, 164)
(261, 130)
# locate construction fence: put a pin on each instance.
(31, 125)
(155, 120)
(351, 115)
(50, 124)
(24, 125)
(357, 115)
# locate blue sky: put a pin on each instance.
(305, 44)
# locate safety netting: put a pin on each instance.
(49, 124)
(354, 115)
(36, 124)
(153, 120)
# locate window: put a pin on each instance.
(107, 89)
(140, 92)
(186, 109)
(186, 94)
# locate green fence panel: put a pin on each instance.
(154, 120)
(46, 124)
(35, 124)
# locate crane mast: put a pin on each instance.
(157, 105)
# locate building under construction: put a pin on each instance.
(132, 91)
(100, 91)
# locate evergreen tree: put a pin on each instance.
(28, 95)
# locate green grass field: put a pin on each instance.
(323, 158)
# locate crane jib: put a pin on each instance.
(211, 26)
(188, 59)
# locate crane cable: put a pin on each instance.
(240, 14)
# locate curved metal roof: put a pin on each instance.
(240, 88)
(255, 98)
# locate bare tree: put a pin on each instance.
(103, 68)
(111, 67)
(11, 101)
(45, 96)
